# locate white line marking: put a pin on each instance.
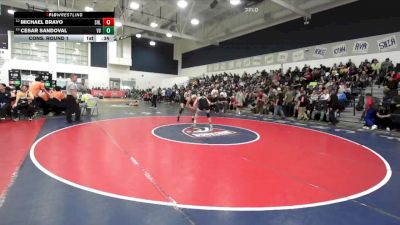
(14, 176)
(368, 191)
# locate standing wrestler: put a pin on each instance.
(184, 98)
(202, 104)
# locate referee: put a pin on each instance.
(72, 105)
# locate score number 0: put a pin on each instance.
(108, 21)
(108, 25)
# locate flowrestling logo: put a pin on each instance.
(203, 135)
(206, 132)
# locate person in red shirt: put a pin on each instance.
(397, 76)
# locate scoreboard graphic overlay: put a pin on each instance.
(64, 26)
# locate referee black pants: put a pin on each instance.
(72, 107)
(154, 101)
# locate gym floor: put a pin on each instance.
(137, 165)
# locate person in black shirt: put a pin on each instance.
(279, 104)
(334, 105)
(391, 88)
(202, 104)
(383, 118)
(5, 101)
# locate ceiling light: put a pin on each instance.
(168, 35)
(235, 2)
(153, 24)
(134, 5)
(182, 4)
(118, 24)
(152, 43)
(11, 11)
(194, 21)
(138, 35)
(88, 9)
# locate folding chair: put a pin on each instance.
(92, 104)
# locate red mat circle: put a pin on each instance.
(288, 167)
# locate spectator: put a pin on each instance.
(391, 88)
(370, 112)
(289, 102)
(260, 102)
(376, 68)
(303, 102)
(44, 101)
(279, 102)
(57, 100)
(383, 120)
(36, 87)
(386, 66)
(23, 104)
(82, 87)
(222, 102)
(334, 105)
(240, 98)
(84, 101)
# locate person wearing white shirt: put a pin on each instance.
(214, 93)
(72, 105)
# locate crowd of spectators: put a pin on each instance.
(319, 93)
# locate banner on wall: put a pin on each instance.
(298, 55)
(269, 59)
(360, 47)
(282, 57)
(246, 62)
(231, 65)
(319, 52)
(238, 64)
(256, 61)
(387, 43)
(339, 50)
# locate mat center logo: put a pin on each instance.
(205, 132)
(203, 135)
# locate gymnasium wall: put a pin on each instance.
(359, 19)
(98, 52)
(157, 59)
(379, 46)
(147, 73)
(99, 69)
